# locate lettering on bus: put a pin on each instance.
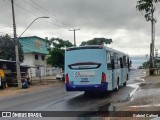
(84, 74)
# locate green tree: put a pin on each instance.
(146, 64)
(56, 53)
(7, 49)
(59, 43)
(148, 6)
(97, 41)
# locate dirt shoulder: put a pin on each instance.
(35, 86)
(146, 98)
(151, 82)
(148, 94)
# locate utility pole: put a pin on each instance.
(152, 38)
(74, 30)
(156, 53)
(16, 48)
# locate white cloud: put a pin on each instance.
(114, 19)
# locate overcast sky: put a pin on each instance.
(116, 19)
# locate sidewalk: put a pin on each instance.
(146, 98)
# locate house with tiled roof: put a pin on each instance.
(35, 51)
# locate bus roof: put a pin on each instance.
(95, 47)
(116, 51)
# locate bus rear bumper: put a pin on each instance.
(95, 87)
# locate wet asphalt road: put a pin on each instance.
(57, 99)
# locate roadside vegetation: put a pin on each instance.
(146, 65)
(7, 49)
(96, 41)
(56, 52)
(57, 49)
(148, 7)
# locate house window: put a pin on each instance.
(36, 56)
(43, 57)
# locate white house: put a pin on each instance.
(35, 51)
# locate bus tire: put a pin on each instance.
(127, 78)
(87, 93)
(117, 87)
(125, 83)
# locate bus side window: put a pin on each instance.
(109, 60)
(124, 61)
(112, 64)
(121, 62)
(116, 60)
(128, 63)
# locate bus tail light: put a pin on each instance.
(67, 79)
(103, 77)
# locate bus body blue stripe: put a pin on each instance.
(95, 87)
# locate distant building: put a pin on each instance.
(35, 51)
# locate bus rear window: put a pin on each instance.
(84, 65)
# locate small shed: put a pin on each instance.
(9, 68)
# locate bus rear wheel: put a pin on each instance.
(88, 93)
(124, 84)
(117, 87)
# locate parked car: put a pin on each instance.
(60, 76)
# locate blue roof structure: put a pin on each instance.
(33, 44)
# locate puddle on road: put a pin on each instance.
(112, 107)
(136, 87)
(139, 82)
(101, 111)
(139, 79)
(107, 107)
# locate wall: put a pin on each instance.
(39, 62)
(29, 60)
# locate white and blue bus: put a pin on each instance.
(95, 68)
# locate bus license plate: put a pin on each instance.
(84, 80)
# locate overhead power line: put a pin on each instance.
(30, 12)
(57, 18)
(25, 10)
(39, 8)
